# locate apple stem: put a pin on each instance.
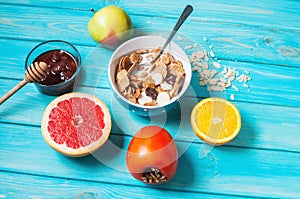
(93, 10)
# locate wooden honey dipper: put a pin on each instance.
(34, 73)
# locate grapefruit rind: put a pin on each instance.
(204, 136)
(82, 151)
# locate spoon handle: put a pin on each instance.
(12, 91)
(184, 15)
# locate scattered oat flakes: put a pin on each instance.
(180, 38)
(216, 64)
(235, 88)
(247, 72)
(188, 47)
(246, 85)
(224, 70)
(203, 60)
(232, 96)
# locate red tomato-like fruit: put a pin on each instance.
(152, 155)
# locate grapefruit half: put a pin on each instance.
(76, 124)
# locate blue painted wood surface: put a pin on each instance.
(262, 37)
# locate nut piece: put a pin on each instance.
(163, 98)
(158, 78)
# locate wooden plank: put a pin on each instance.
(264, 155)
(231, 42)
(285, 89)
(262, 13)
(258, 129)
(14, 185)
(225, 170)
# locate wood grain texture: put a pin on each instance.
(261, 37)
(262, 13)
(14, 185)
(263, 125)
(231, 42)
(225, 170)
(94, 73)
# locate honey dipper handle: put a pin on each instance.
(12, 91)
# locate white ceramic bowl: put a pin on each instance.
(148, 42)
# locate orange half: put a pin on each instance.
(216, 121)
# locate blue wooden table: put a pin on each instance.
(257, 38)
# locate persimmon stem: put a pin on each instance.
(153, 176)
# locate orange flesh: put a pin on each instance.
(216, 120)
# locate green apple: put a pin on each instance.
(110, 26)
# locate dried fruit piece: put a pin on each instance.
(151, 92)
(171, 79)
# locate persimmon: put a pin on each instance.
(152, 155)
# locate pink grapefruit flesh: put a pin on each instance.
(76, 124)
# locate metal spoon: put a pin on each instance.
(34, 73)
(184, 15)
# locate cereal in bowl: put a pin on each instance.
(146, 83)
